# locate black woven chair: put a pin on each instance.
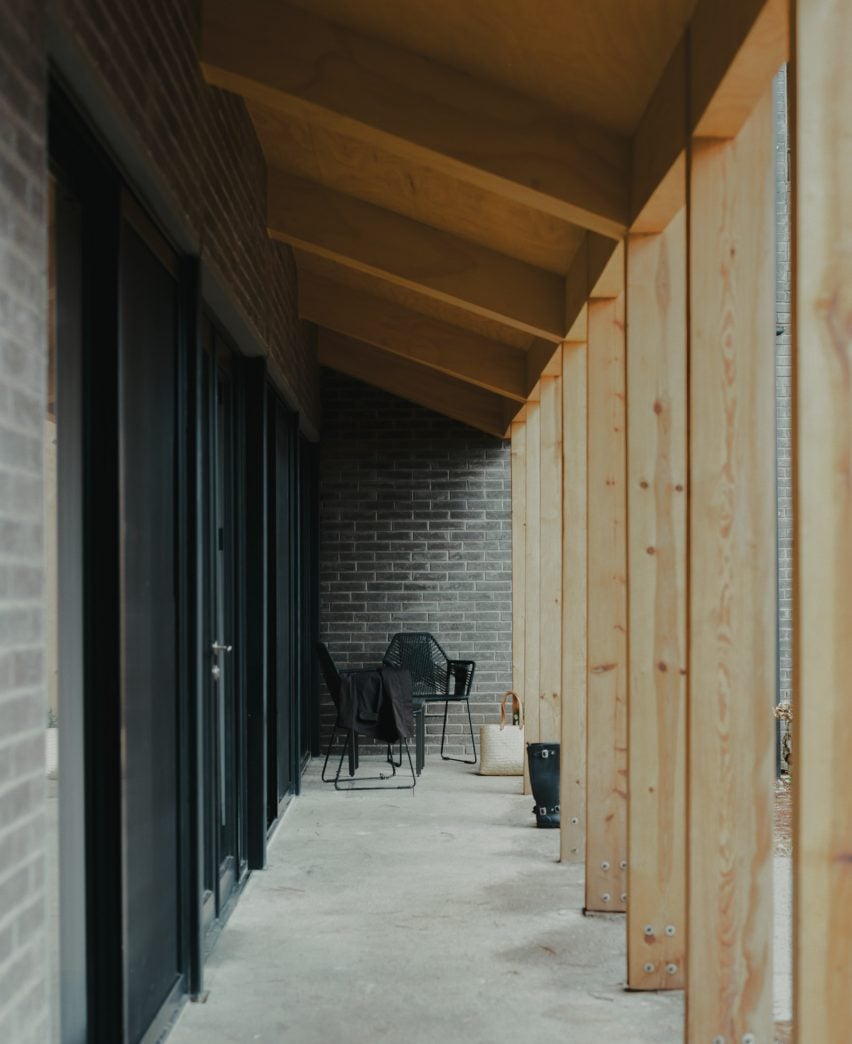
(350, 747)
(434, 677)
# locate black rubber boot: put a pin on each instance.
(544, 780)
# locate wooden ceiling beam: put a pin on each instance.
(371, 239)
(415, 301)
(596, 272)
(403, 332)
(419, 384)
(737, 48)
(478, 132)
(724, 63)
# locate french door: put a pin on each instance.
(223, 694)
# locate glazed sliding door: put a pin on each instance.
(224, 713)
(148, 355)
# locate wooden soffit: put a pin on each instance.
(455, 178)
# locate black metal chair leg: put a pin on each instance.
(472, 736)
(420, 737)
(328, 755)
(355, 784)
(350, 747)
(447, 757)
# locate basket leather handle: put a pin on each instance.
(516, 706)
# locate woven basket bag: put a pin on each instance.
(502, 746)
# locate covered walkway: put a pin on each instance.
(438, 916)
(554, 225)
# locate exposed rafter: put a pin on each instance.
(388, 246)
(415, 301)
(292, 61)
(433, 197)
(400, 331)
(473, 406)
(736, 48)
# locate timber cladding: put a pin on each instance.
(202, 146)
(415, 520)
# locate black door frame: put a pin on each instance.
(83, 164)
(308, 600)
(67, 268)
(282, 420)
(254, 560)
(93, 857)
(218, 353)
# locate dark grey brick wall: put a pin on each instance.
(202, 145)
(416, 535)
(23, 354)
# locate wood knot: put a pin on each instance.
(662, 667)
(650, 551)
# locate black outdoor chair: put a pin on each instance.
(333, 681)
(434, 677)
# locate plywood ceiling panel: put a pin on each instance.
(362, 169)
(407, 298)
(600, 58)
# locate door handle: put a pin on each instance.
(220, 647)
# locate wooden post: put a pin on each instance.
(519, 530)
(731, 584)
(822, 728)
(550, 581)
(606, 764)
(572, 797)
(657, 497)
(532, 585)
(518, 554)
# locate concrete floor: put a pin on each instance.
(440, 915)
(443, 911)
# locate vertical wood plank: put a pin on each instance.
(519, 530)
(550, 583)
(532, 672)
(822, 752)
(731, 584)
(606, 741)
(572, 776)
(656, 484)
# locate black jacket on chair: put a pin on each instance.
(377, 704)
